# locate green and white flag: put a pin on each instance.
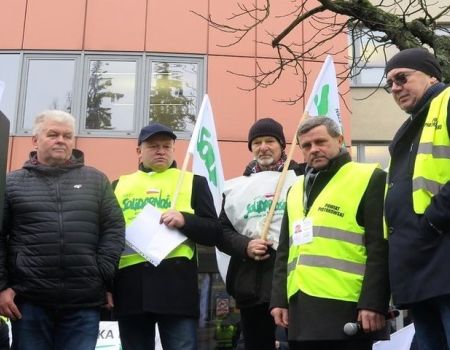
(324, 98)
(206, 161)
(204, 149)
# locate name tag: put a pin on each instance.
(303, 231)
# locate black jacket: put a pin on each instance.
(171, 287)
(419, 255)
(313, 318)
(62, 235)
(248, 281)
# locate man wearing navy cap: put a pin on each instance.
(166, 294)
(417, 203)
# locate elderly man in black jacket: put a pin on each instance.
(418, 195)
(331, 266)
(60, 242)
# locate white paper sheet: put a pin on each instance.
(149, 238)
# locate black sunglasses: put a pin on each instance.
(399, 79)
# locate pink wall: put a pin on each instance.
(169, 27)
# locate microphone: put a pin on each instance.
(352, 328)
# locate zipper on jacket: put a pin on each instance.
(61, 235)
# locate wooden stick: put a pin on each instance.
(281, 180)
(180, 179)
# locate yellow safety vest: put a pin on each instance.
(332, 266)
(432, 166)
(135, 191)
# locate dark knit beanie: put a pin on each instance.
(418, 59)
(266, 127)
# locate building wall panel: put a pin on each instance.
(219, 41)
(172, 26)
(54, 24)
(12, 19)
(281, 14)
(115, 25)
(20, 148)
(234, 109)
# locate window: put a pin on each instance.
(175, 90)
(372, 153)
(48, 84)
(9, 74)
(369, 49)
(110, 96)
(370, 54)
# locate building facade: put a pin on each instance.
(117, 65)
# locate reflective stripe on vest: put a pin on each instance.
(432, 165)
(136, 190)
(331, 266)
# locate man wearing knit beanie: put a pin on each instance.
(247, 199)
(266, 127)
(417, 205)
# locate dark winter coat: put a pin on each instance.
(248, 281)
(62, 235)
(419, 255)
(313, 318)
(171, 288)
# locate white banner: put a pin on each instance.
(400, 340)
(249, 199)
(204, 148)
(109, 337)
(206, 161)
(324, 98)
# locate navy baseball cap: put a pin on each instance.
(154, 129)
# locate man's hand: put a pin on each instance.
(257, 249)
(172, 218)
(280, 316)
(7, 306)
(371, 321)
(109, 301)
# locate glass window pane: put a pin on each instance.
(9, 73)
(49, 86)
(173, 94)
(371, 76)
(354, 152)
(368, 46)
(377, 154)
(111, 95)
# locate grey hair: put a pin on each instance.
(54, 115)
(333, 128)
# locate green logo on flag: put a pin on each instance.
(206, 152)
(322, 105)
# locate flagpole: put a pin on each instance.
(281, 180)
(328, 61)
(189, 151)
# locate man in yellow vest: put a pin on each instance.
(331, 266)
(418, 196)
(166, 294)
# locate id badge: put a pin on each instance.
(303, 231)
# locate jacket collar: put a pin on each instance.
(334, 165)
(149, 170)
(75, 161)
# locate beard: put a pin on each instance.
(266, 161)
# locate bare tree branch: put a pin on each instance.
(376, 26)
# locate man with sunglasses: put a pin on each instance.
(417, 203)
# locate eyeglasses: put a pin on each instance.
(399, 79)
